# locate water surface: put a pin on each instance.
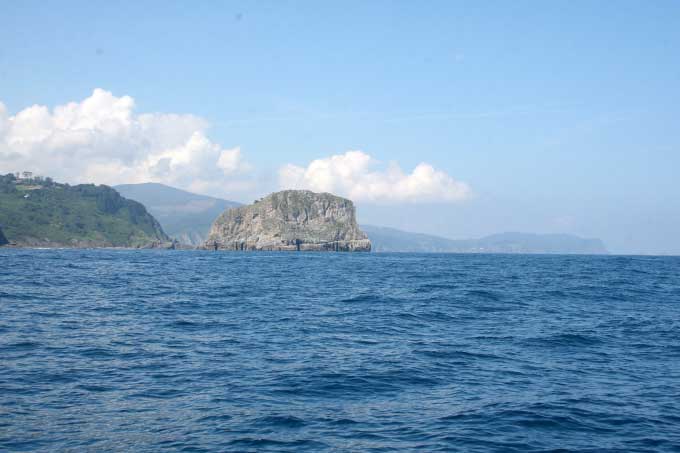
(201, 351)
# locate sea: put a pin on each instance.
(200, 351)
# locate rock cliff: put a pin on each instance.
(290, 220)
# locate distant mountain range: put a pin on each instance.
(391, 240)
(185, 216)
(3, 239)
(188, 217)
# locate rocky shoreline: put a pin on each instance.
(174, 245)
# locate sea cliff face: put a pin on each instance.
(288, 221)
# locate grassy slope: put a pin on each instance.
(84, 215)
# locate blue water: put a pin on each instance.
(202, 351)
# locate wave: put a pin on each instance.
(129, 350)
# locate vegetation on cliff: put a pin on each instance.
(37, 212)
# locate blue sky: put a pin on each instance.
(559, 116)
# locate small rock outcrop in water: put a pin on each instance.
(290, 220)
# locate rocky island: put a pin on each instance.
(290, 220)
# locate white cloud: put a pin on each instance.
(101, 139)
(353, 175)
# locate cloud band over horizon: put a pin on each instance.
(101, 139)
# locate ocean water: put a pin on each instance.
(202, 351)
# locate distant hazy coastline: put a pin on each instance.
(46, 214)
(182, 218)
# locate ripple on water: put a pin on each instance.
(108, 350)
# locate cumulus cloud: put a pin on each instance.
(354, 175)
(101, 139)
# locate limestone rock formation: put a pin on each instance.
(290, 220)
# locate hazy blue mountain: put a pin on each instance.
(384, 239)
(185, 216)
(540, 243)
(392, 240)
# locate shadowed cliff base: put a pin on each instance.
(3, 239)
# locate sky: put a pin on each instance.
(460, 119)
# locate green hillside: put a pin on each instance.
(47, 214)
